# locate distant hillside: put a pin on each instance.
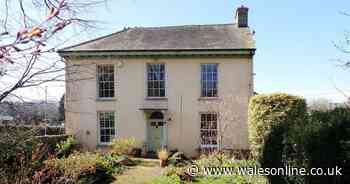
(27, 112)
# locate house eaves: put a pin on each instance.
(159, 53)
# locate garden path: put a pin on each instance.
(142, 173)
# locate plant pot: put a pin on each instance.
(136, 152)
(162, 163)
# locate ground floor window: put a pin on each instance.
(209, 131)
(107, 126)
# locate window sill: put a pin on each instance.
(208, 98)
(157, 98)
(106, 99)
(209, 146)
(102, 145)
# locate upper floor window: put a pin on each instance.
(107, 126)
(209, 80)
(156, 80)
(105, 77)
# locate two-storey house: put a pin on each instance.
(153, 84)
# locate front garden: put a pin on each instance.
(26, 158)
(282, 133)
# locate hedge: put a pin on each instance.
(268, 112)
(52, 140)
(270, 118)
(282, 133)
(324, 142)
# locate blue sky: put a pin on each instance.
(295, 51)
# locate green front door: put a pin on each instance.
(156, 135)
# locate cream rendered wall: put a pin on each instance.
(183, 94)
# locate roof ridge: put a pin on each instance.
(186, 25)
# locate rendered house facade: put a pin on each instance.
(158, 85)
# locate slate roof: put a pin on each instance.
(188, 37)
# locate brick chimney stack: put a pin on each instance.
(242, 17)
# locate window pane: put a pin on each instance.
(105, 81)
(162, 92)
(209, 76)
(162, 85)
(108, 138)
(150, 92)
(209, 80)
(156, 93)
(150, 85)
(162, 76)
(208, 131)
(107, 126)
(156, 80)
(204, 85)
(103, 139)
(215, 77)
(156, 84)
(215, 93)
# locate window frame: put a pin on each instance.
(202, 81)
(209, 146)
(164, 80)
(99, 97)
(109, 128)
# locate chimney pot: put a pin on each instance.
(242, 16)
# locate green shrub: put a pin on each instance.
(283, 134)
(21, 154)
(84, 167)
(275, 111)
(180, 172)
(211, 180)
(124, 146)
(323, 142)
(179, 159)
(270, 119)
(51, 141)
(114, 164)
(219, 159)
(174, 171)
(214, 159)
(232, 180)
(51, 176)
(66, 147)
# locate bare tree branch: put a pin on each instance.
(27, 54)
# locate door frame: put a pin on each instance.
(164, 139)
